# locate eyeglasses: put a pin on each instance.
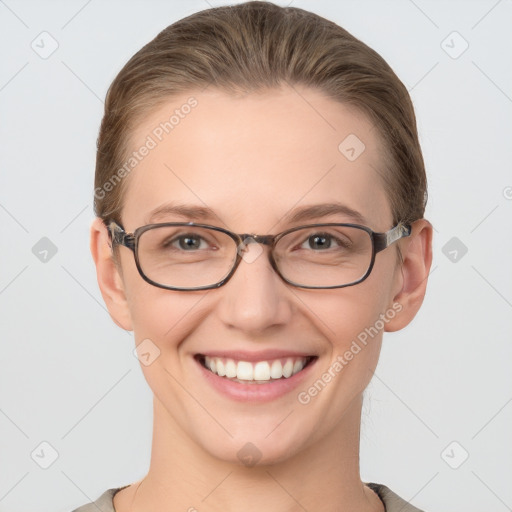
(186, 256)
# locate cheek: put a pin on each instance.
(162, 321)
(346, 314)
(155, 312)
(353, 320)
(164, 316)
(355, 337)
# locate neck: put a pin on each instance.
(322, 477)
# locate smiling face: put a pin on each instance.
(260, 164)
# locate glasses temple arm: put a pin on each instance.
(383, 240)
(119, 236)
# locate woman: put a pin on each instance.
(260, 192)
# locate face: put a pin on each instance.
(249, 164)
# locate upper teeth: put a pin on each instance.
(261, 370)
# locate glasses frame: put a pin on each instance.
(380, 241)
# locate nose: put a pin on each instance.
(255, 299)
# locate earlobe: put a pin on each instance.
(109, 280)
(417, 260)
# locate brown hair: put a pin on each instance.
(255, 46)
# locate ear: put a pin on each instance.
(412, 275)
(109, 279)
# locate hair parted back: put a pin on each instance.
(251, 47)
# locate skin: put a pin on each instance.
(251, 159)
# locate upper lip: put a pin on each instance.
(262, 355)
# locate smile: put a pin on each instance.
(264, 371)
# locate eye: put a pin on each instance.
(322, 241)
(188, 242)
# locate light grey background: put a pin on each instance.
(68, 376)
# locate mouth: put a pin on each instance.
(255, 372)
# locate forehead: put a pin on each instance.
(254, 157)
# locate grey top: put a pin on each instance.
(392, 502)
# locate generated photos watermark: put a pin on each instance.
(156, 136)
(357, 345)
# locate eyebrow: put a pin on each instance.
(324, 210)
(191, 212)
(297, 215)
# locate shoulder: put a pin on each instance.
(104, 503)
(392, 501)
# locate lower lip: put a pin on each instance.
(253, 391)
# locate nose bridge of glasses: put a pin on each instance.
(256, 239)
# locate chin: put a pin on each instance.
(253, 446)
